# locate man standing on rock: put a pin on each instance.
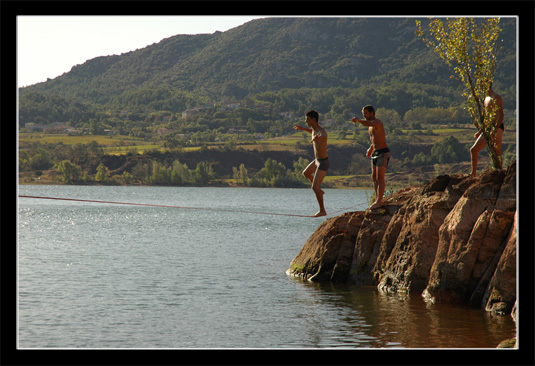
(378, 152)
(316, 170)
(493, 100)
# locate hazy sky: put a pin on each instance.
(48, 46)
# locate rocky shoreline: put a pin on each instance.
(451, 240)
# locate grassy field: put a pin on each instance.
(78, 139)
(120, 144)
(297, 142)
(113, 145)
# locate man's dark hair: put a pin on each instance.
(313, 114)
(369, 108)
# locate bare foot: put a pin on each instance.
(376, 205)
(320, 213)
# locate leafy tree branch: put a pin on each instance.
(470, 46)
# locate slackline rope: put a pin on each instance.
(180, 207)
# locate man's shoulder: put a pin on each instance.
(377, 122)
(499, 99)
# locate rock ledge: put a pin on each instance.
(450, 240)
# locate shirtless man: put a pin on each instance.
(492, 100)
(316, 170)
(378, 152)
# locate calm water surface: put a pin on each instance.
(94, 275)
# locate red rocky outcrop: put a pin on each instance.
(451, 240)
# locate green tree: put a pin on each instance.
(448, 150)
(103, 174)
(180, 173)
(204, 173)
(70, 172)
(421, 159)
(271, 169)
(141, 172)
(389, 116)
(241, 175)
(127, 177)
(160, 174)
(40, 160)
(470, 46)
(95, 127)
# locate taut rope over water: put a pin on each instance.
(171, 206)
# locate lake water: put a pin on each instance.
(96, 275)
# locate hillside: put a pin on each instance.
(350, 60)
(249, 86)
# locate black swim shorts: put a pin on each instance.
(323, 164)
(381, 157)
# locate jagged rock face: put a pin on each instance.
(500, 295)
(453, 240)
(406, 266)
(319, 256)
(472, 240)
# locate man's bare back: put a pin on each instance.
(493, 100)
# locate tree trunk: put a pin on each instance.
(495, 159)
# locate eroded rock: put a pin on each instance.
(452, 240)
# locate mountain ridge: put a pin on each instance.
(263, 55)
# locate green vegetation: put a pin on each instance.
(275, 162)
(271, 66)
(219, 108)
(471, 47)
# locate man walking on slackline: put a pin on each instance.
(316, 170)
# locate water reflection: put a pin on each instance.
(365, 317)
(109, 276)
